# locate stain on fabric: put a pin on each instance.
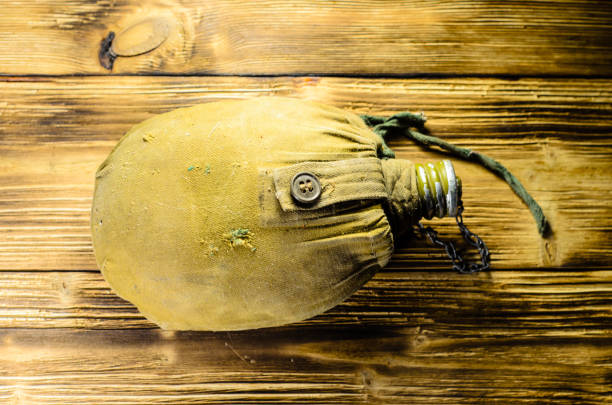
(238, 165)
(240, 237)
(212, 250)
(206, 169)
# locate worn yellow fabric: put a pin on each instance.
(361, 179)
(192, 223)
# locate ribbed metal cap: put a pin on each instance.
(439, 189)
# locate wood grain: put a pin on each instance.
(526, 82)
(330, 366)
(360, 37)
(534, 331)
(517, 304)
(554, 135)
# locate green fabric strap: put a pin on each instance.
(404, 123)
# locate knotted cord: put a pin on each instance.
(407, 124)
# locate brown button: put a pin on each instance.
(305, 188)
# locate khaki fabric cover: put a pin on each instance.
(194, 223)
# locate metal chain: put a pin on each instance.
(459, 264)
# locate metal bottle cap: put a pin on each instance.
(439, 189)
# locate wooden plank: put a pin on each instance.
(346, 366)
(555, 136)
(361, 37)
(551, 302)
(411, 335)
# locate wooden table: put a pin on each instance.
(529, 83)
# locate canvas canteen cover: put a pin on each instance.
(254, 213)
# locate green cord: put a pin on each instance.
(403, 123)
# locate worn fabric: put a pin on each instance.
(192, 220)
